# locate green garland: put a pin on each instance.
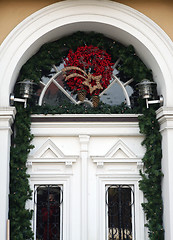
(40, 65)
(152, 176)
(54, 53)
(70, 108)
(20, 225)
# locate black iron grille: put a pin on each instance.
(119, 201)
(48, 199)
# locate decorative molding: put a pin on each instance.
(140, 165)
(100, 164)
(83, 118)
(100, 161)
(50, 153)
(119, 153)
(29, 164)
(165, 118)
(121, 147)
(49, 146)
(84, 140)
(7, 116)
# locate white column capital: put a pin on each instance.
(84, 140)
(165, 118)
(7, 116)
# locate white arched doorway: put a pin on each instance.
(112, 19)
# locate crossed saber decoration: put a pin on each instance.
(89, 77)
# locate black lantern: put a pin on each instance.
(26, 88)
(147, 90)
(26, 91)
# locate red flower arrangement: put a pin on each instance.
(89, 69)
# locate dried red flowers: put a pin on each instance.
(92, 62)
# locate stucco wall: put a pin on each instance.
(12, 12)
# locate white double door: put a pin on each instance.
(95, 164)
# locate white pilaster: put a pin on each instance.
(165, 118)
(6, 120)
(84, 142)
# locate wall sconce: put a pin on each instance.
(26, 91)
(147, 90)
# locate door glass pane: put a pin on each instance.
(119, 202)
(48, 214)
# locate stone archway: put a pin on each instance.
(110, 18)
